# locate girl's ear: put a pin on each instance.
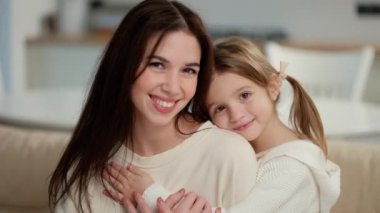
(274, 86)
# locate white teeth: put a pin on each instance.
(164, 103)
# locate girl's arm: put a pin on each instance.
(125, 181)
(131, 182)
(192, 203)
(283, 185)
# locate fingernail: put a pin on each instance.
(160, 200)
(182, 190)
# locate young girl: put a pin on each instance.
(294, 174)
(157, 62)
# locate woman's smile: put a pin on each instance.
(163, 105)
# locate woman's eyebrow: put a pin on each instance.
(158, 58)
(192, 64)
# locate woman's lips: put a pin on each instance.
(163, 105)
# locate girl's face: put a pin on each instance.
(169, 80)
(238, 104)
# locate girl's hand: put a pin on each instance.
(142, 206)
(180, 202)
(125, 181)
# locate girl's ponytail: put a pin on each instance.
(304, 116)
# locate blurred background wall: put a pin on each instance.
(24, 22)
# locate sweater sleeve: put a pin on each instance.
(153, 192)
(283, 184)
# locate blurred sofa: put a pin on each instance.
(28, 157)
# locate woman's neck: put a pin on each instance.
(274, 134)
(151, 140)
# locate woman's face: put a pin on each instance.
(169, 81)
(238, 104)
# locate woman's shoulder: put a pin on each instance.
(224, 141)
(222, 136)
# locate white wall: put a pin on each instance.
(19, 19)
(320, 20)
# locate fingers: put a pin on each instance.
(135, 170)
(116, 183)
(141, 203)
(129, 206)
(207, 208)
(218, 210)
(113, 195)
(162, 207)
(116, 170)
(187, 202)
(198, 205)
(175, 198)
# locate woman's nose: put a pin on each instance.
(172, 83)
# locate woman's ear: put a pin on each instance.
(274, 86)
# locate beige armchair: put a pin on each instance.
(28, 157)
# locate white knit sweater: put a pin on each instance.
(292, 177)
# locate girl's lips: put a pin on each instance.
(244, 126)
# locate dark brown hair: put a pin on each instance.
(241, 56)
(107, 119)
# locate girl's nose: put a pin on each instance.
(236, 113)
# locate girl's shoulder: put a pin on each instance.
(303, 151)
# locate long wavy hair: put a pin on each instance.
(241, 56)
(106, 122)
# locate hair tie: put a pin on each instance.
(283, 65)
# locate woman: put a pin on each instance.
(138, 111)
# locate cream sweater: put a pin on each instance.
(292, 177)
(206, 163)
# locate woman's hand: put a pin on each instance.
(125, 181)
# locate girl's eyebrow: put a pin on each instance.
(193, 64)
(243, 88)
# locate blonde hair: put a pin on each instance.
(242, 57)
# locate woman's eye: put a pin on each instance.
(157, 65)
(190, 71)
(245, 95)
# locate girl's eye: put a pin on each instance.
(190, 71)
(219, 109)
(245, 95)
